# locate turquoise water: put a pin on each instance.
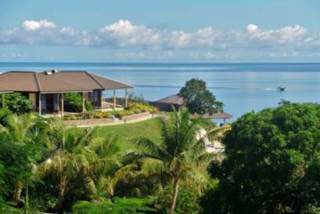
(242, 87)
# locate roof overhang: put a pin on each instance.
(64, 92)
(5, 92)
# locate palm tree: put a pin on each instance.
(28, 132)
(63, 161)
(82, 153)
(181, 156)
(101, 165)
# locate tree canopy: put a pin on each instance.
(198, 98)
(272, 163)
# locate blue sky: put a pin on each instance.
(160, 30)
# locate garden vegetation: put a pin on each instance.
(271, 164)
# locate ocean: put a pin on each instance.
(242, 87)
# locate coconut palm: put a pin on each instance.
(64, 161)
(181, 156)
(101, 165)
(82, 153)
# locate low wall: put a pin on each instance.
(108, 121)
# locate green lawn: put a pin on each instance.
(127, 133)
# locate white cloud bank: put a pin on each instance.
(126, 37)
(31, 25)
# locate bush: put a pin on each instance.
(89, 115)
(89, 106)
(73, 102)
(102, 115)
(187, 201)
(17, 103)
(137, 107)
(4, 115)
(117, 206)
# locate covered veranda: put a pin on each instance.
(54, 103)
(47, 90)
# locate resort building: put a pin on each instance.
(176, 101)
(46, 89)
(166, 104)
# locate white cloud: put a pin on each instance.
(208, 42)
(124, 34)
(31, 25)
(251, 28)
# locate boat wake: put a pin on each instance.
(270, 89)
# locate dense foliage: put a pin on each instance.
(116, 206)
(46, 167)
(74, 103)
(272, 163)
(17, 103)
(198, 98)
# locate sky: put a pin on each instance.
(160, 30)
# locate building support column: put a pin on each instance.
(39, 104)
(114, 99)
(62, 104)
(83, 103)
(126, 98)
(101, 99)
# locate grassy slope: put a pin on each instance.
(129, 132)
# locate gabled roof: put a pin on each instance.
(217, 116)
(55, 82)
(172, 100)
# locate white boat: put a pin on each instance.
(280, 88)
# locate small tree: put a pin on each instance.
(198, 98)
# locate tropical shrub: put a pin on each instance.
(89, 105)
(4, 116)
(187, 201)
(117, 206)
(18, 103)
(103, 115)
(73, 102)
(121, 114)
(138, 107)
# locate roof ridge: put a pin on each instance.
(37, 81)
(95, 79)
(18, 72)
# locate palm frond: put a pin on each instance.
(151, 149)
